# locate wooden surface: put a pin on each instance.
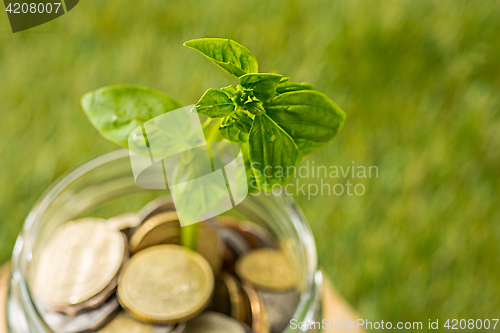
(4, 283)
(335, 308)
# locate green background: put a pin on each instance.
(419, 81)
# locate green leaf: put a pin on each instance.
(296, 123)
(227, 54)
(242, 121)
(263, 85)
(251, 180)
(288, 86)
(273, 154)
(233, 134)
(230, 90)
(195, 194)
(215, 104)
(309, 117)
(117, 110)
(236, 127)
(308, 147)
(211, 130)
(255, 107)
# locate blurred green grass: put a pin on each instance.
(420, 83)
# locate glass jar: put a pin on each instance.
(105, 187)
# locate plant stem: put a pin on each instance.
(189, 233)
(189, 236)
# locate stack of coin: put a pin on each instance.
(76, 275)
(272, 276)
(130, 274)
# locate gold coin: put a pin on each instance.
(258, 315)
(213, 322)
(156, 206)
(228, 297)
(220, 301)
(162, 228)
(123, 322)
(210, 245)
(165, 284)
(78, 262)
(266, 269)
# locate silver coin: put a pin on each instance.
(93, 302)
(179, 328)
(79, 261)
(213, 322)
(280, 308)
(247, 328)
(124, 222)
(86, 321)
(234, 240)
(164, 329)
(256, 235)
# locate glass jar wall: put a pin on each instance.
(105, 187)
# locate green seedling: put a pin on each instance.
(275, 122)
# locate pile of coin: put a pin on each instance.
(130, 273)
